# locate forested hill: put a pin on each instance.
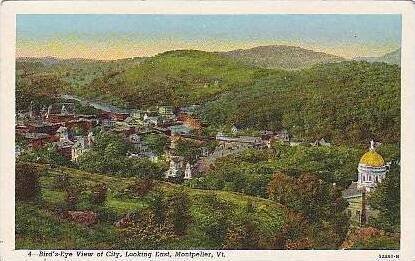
(344, 102)
(281, 56)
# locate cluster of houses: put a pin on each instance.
(57, 125)
(72, 134)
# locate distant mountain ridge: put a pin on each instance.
(52, 60)
(393, 57)
(281, 57)
(269, 57)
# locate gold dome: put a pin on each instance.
(373, 159)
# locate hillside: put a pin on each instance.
(175, 78)
(347, 102)
(393, 57)
(44, 77)
(281, 56)
(58, 232)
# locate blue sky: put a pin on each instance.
(119, 36)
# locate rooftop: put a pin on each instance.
(35, 135)
(351, 191)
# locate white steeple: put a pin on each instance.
(90, 138)
(49, 111)
(31, 109)
(64, 111)
(188, 171)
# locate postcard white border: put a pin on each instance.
(7, 107)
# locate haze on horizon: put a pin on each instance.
(110, 36)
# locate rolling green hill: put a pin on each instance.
(175, 78)
(282, 57)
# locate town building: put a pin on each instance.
(150, 120)
(38, 140)
(189, 110)
(79, 147)
(234, 130)
(60, 112)
(175, 167)
(178, 168)
(64, 145)
(282, 135)
(320, 142)
(371, 171)
(179, 130)
(252, 140)
(166, 111)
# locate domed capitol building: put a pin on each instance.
(371, 169)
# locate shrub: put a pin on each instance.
(141, 187)
(147, 232)
(72, 198)
(99, 194)
(62, 181)
(242, 236)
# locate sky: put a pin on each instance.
(112, 36)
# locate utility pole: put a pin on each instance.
(363, 217)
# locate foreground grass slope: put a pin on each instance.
(39, 225)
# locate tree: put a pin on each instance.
(243, 232)
(47, 155)
(147, 232)
(281, 188)
(370, 238)
(242, 236)
(188, 149)
(386, 199)
(177, 211)
(376, 243)
(27, 182)
(155, 142)
(321, 204)
(140, 187)
(110, 145)
(295, 234)
(167, 218)
(216, 218)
